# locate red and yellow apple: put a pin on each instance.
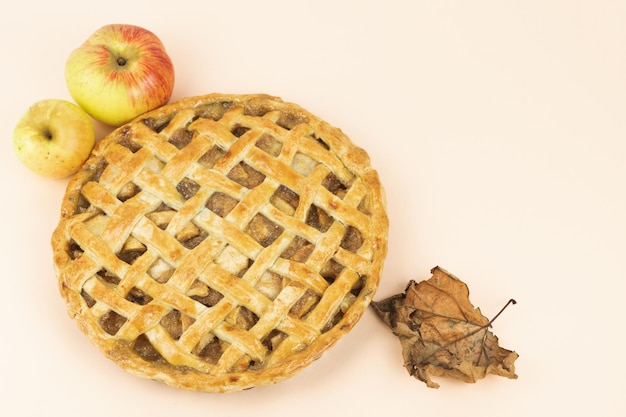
(120, 72)
(54, 138)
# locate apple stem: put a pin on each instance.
(121, 61)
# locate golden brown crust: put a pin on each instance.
(221, 242)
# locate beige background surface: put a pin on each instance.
(499, 131)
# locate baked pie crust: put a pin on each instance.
(221, 242)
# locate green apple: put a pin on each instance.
(54, 138)
(120, 72)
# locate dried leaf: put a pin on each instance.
(441, 332)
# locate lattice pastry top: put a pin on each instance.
(221, 242)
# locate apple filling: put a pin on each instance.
(261, 228)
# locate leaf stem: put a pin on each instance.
(511, 301)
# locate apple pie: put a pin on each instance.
(221, 242)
